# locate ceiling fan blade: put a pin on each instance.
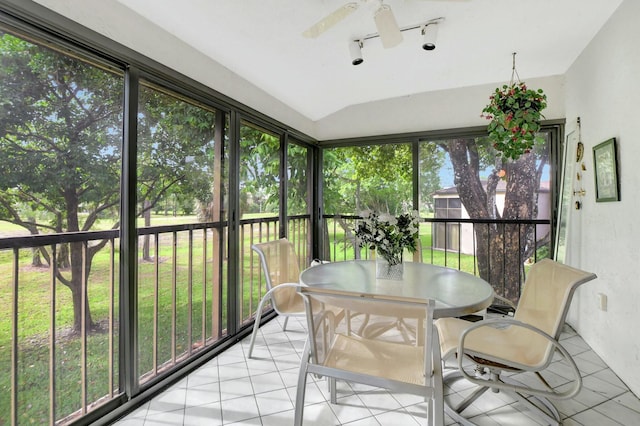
(387, 26)
(330, 20)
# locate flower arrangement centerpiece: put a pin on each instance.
(389, 236)
(515, 112)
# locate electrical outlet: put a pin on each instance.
(602, 301)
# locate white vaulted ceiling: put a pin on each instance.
(261, 41)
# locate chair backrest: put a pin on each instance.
(324, 324)
(544, 303)
(280, 265)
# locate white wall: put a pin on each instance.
(603, 89)
(446, 109)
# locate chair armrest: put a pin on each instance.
(570, 393)
(286, 285)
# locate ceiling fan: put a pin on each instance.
(385, 21)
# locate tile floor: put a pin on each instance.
(234, 390)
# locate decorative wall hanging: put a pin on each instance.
(579, 191)
(515, 112)
(605, 162)
(566, 195)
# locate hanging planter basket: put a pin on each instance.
(515, 112)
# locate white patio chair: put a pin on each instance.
(524, 344)
(332, 352)
(279, 264)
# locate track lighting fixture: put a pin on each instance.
(387, 34)
(429, 35)
(355, 48)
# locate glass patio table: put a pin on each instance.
(455, 293)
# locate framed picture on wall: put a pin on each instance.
(605, 163)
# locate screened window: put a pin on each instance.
(179, 167)
(259, 172)
(60, 143)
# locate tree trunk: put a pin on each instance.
(63, 256)
(36, 259)
(80, 258)
(76, 285)
(498, 258)
(501, 248)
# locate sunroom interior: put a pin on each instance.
(584, 57)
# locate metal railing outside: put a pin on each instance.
(56, 374)
(56, 371)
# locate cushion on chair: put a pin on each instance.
(394, 361)
(288, 300)
(518, 346)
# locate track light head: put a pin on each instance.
(429, 36)
(355, 49)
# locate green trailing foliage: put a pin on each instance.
(515, 112)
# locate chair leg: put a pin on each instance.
(332, 390)
(437, 381)
(286, 321)
(302, 384)
(455, 412)
(542, 408)
(256, 325)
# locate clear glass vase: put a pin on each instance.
(388, 271)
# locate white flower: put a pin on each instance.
(386, 217)
(388, 234)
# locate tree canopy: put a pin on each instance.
(61, 139)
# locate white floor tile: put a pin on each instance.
(131, 421)
(204, 415)
(369, 421)
(399, 417)
(273, 402)
(511, 415)
(312, 394)
(629, 400)
(610, 377)
(593, 417)
(351, 408)
(203, 394)
(266, 382)
(167, 418)
(233, 371)
(203, 376)
(319, 414)
(602, 387)
(171, 400)
(233, 390)
(278, 419)
(238, 409)
(619, 413)
(379, 401)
